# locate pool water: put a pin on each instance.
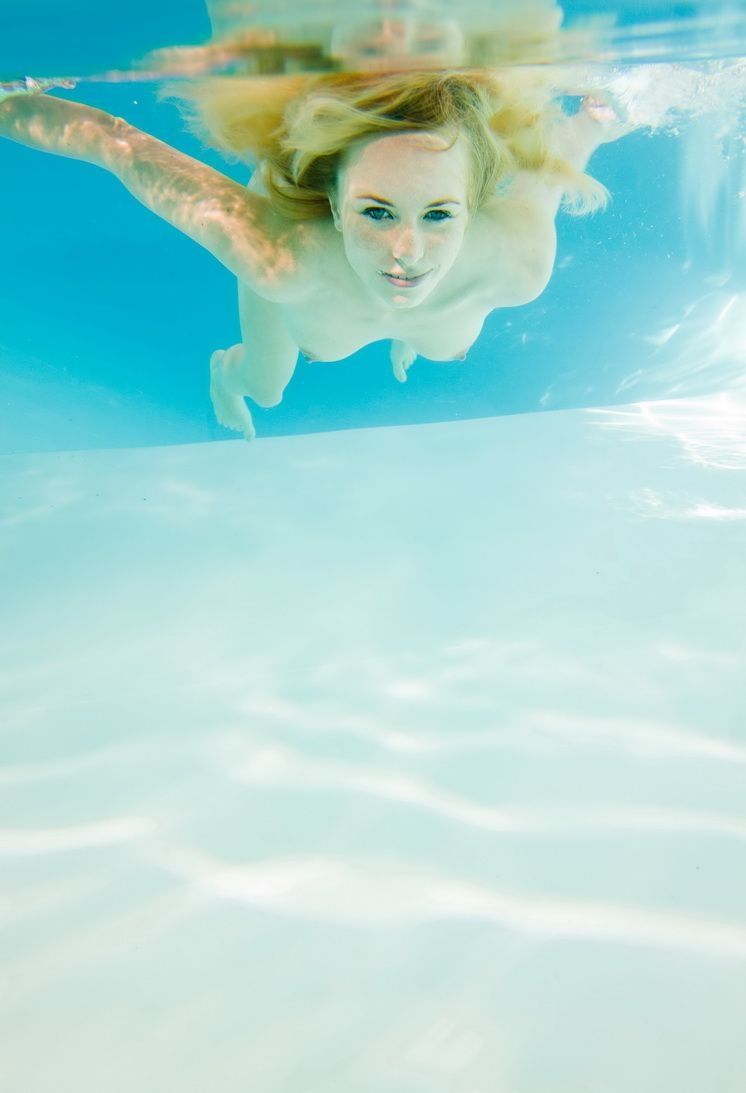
(403, 750)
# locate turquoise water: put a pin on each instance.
(81, 256)
(402, 751)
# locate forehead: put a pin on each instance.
(418, 161)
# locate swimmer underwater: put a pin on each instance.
(404, 206)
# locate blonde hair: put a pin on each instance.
(299, 128)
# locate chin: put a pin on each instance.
(404, 299)
(406, 303)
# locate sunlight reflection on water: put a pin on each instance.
(709, 432)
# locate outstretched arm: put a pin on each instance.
(236, 225)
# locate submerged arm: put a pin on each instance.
(234, 224)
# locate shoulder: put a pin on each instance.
(516, 242)
(296, 250)
(291, 259)
(295, 258)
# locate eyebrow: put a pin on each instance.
(388, 204)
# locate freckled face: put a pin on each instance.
(401, 205)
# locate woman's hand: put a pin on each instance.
(402, 359)
(609, 116)
(28, 85)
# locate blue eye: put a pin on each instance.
(373, 210)
(378, 214)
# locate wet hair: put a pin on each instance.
(300, 128)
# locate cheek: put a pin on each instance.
(367, 237)
(362, 243)
(449, 244)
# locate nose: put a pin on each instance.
(408, 247)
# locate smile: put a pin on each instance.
(404, 282)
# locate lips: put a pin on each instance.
(404, 282)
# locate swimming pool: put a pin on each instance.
(403, 749)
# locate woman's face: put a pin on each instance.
(401, 205)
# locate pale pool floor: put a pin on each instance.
(395, 761)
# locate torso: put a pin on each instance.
(330, 316)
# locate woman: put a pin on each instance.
(402, 206)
